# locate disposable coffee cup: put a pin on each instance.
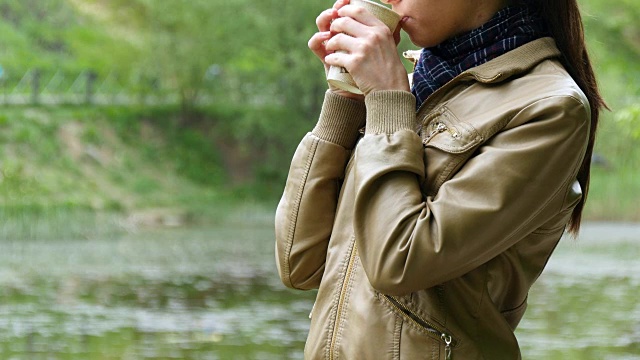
(338, 76)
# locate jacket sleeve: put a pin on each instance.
(407, 242)
(305, 214)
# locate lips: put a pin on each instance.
(403, 21)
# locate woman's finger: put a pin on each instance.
(340, 3)
(347, 25)
(359, 14)
(323, 21)
(317, 43)
(338, 58)
(341, 42)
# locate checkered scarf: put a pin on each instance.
(510, 28)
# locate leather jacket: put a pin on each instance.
(424, 231)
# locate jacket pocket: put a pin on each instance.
(442, 130)
(514, 316)
(448, 143)
(420, 338)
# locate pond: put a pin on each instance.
(212, 292)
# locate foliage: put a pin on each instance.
(54, 35)
(249, 87)
(629, 120)
(613, 36)
(238, 49)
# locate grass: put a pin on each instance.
(123, 160)
(614, 195)
(55, 223)
(615, 180)
(104, 159)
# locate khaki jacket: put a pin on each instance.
(425, 237)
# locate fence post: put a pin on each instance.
(91, 80)
(4, 91)
(35, 87)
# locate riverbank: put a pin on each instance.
(145, 164)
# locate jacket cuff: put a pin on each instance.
(389, 111)
(340, 120)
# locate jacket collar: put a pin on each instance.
(512, 63)
(515, 61)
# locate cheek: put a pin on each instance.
(426, 32)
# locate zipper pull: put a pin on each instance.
(447, 347)
(437, 129)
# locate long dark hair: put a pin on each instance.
(564, 24)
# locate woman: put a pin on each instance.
(423, 215)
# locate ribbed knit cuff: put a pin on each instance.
(389, 111)
(340, 120)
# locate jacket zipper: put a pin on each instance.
(437, 128)
(426, 325)
(343, 292)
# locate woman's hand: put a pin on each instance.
(365, 46)
(318, 42)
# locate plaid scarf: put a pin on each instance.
(510, 28)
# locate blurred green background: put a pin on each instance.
(145, 144)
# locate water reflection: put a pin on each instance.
(206, 293)
(585, 305)
(212, 293)
(189, 316)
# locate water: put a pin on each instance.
(585, 305)
(213, 293)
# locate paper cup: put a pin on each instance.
(338, 76)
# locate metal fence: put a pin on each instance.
(36, 87)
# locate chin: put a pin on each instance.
(419, 41)
(425, 43)
(412, 38)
